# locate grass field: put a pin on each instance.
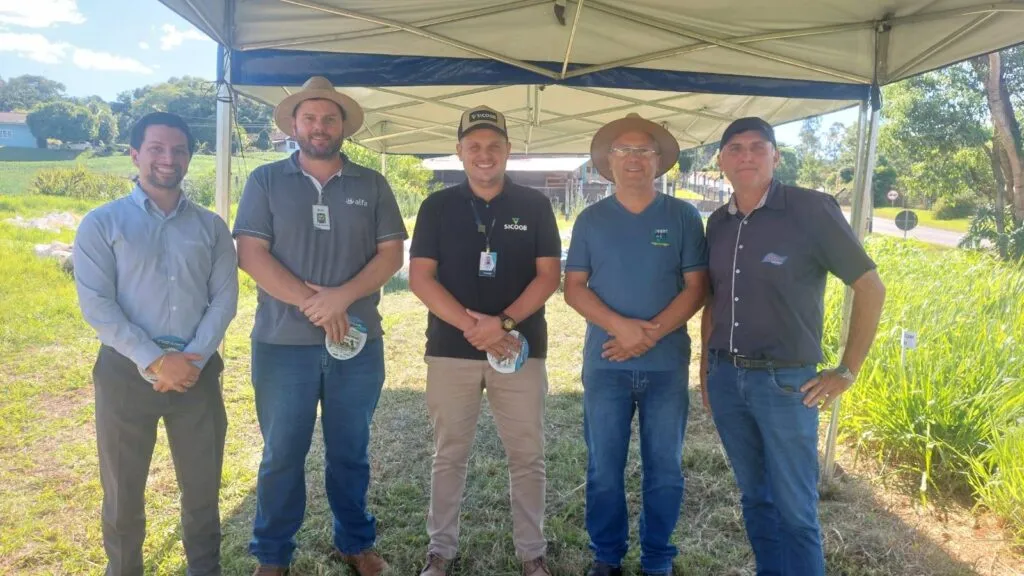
(18, 169)
(926, 218)
(49, 515)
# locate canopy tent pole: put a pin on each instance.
(862, 201)
(223, 164)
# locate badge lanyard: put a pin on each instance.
(321, 212)
(488, 259)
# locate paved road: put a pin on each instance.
(924, 234)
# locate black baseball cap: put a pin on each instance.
(748, 124)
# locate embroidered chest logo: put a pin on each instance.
(357, 202)
(775, 259)
(515, 225)
(660, 237)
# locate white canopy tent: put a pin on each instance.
(561, 68)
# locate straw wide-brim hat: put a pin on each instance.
(320, 88)
(600, 146)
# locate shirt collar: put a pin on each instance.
(466, 191)
(142, 200)
(772, 198)
(348, 168)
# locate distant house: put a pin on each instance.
(282, 143)
(565, 180)
(14, 131)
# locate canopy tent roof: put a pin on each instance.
(415, 65)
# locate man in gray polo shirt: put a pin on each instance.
(321, 236)
(771, 249)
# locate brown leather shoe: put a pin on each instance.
(267, 570)
(536, 567)
(366, 563)
(436, 566)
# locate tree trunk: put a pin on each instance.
(1005, 125)
(996, 157)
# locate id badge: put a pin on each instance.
(488, 264)
(321, 217)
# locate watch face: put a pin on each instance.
(508, 323)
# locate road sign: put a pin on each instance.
(892, 195)
(906, 220)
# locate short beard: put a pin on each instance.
(331, 150)
(159, 181)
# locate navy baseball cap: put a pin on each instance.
(750, 123)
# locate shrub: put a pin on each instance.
(956, 207)
(80, 183)
(201, 187)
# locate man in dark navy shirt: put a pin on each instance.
(485, 258)
(771, 249)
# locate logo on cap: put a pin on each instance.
(478, 115)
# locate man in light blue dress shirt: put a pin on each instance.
(156, 278)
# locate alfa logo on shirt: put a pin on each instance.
(775, 259)
(660, 237)
(357, 202)
(515, 225)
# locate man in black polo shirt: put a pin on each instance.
(770, 251)
(485, 258)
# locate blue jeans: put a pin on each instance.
(610, 398)
(290, 381)
(771, 439)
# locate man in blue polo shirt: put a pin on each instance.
(636, 270)
(771, 249)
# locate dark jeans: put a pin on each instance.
(771, 439)
(290, 382)
(127, 413)
(610, 398)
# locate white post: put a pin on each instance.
(861, 197)
(224, 115)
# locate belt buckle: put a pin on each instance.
(737, 360)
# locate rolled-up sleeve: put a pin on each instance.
(223, 293)
(96, 284)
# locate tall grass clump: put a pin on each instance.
(950, 412)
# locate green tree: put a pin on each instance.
(106, 129)
(195, 100)
(789, 166)
(812, 172)
(27, 91)
(263, 141)
(62, 121)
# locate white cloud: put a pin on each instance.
(40, 13)
(144, 45)
(38, 48)
(92, 60)
(172, 37)
(34, 47)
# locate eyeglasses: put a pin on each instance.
(623, 151)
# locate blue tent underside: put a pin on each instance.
(273, 67)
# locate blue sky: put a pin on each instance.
(78, 43)
(101, 46)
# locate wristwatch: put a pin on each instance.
(845, 373)
(508, 323)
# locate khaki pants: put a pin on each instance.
(454, 391)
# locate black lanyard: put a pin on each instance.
(480, 226)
